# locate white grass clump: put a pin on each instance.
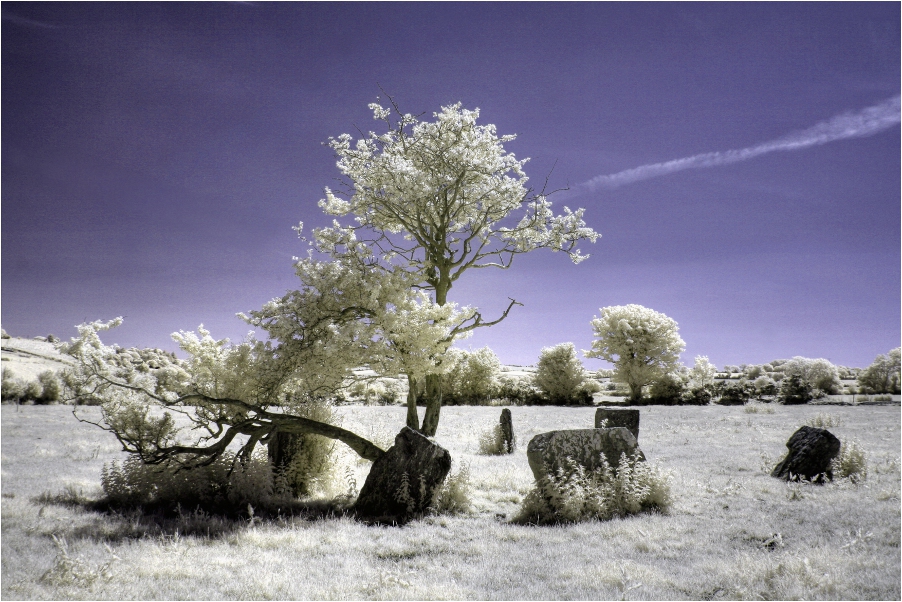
(491, 442)
(574, 495)
(454, 495)
(754, 407)
(824, 420)
(224, 486)
(851, 463)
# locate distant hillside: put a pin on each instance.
(27, 358)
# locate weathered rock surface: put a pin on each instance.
(618, 417)
(811, 450)
(547, 452)
(508, 440)
(385, 498)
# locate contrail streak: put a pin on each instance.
(866, 122)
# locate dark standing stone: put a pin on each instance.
(811, 450)
(618, 417)
(507, 432)
(549, 451)
(385, 498)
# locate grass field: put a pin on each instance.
(733, 531)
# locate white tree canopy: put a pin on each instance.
(437, 198)
(643, 344)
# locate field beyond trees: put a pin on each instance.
(733, 532)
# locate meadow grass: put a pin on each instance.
(732, 532)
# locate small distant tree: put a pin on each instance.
(668, 390)
(883, 375)
(702, 374)
(766, 386)
(50, 386)
(819, 374)
(643, 344)
(473, 376)
(559, 373)
(12, 388)
(753, 371)
(794, 389)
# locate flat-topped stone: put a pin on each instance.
(548, 452)
(618, 417)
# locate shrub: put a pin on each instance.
(795, 390)
(700, 396)
(824, 420)
(559, 374)
(32, 391)
(753, 407)
(766, 386)
(735, 394)
(517, 390)
(11, 388)
(474, 377)
(50, 385)
(817, 373)
(574, 495)
(883, 375)
(313, 457)
(667, 390)
(851, 463)
(454, 495)
(491, 442)
(225, 486)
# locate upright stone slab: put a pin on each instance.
(507, 432)
(811, 451)
(548, 452)
(618, 417)
(384, 497)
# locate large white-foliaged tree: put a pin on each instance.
(434, 199)
(643, 344)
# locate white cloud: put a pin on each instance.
(866, 122)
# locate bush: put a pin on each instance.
(491, 442)
(50, 385)
(575, 495)
(824, 421)
(32, 391)
(517, 390)
(559, 374)
(225, 486)
(851, 463)
(754, 407)
(766, 387)
(734, 394)
(883, 375)
(667, 390)
(454, 495)
(474, 377)
(11, 388)
(817, 373)
(700, 396)
(795, 390)
(313, 457)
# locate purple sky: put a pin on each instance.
(155, 158)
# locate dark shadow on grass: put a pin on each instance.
(116, 522)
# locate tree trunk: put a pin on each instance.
(434, 381)
(635, 392)
(433, 404)
(282, 450)
(413, 420)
